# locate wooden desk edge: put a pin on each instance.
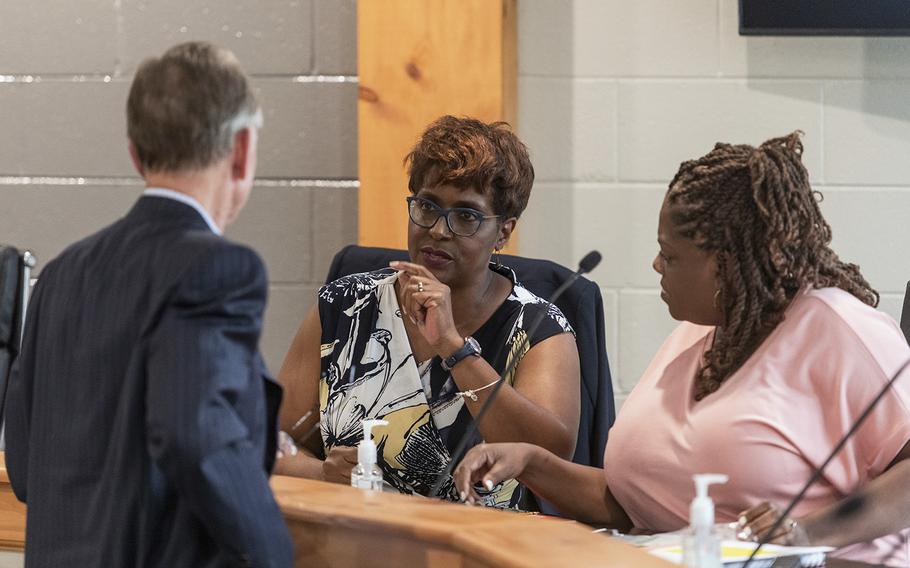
(4, 476)
(507, 539)
(12, 514)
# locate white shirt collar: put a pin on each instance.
(185, 199)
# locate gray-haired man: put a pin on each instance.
(140, 416)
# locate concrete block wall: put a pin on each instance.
(613, 95)
(65, 70)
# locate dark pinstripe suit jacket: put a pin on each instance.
(140, 417)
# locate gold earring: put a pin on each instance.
(716, 297)
(498, 259)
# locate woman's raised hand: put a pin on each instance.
(490, 464)
(427, 303)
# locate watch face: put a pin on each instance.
(471, 347)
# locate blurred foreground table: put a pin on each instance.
(335, 525)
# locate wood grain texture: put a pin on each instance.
(417, 61)
(12, 513)
(335, 525)
(339, 526)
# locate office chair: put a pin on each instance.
(582, 305)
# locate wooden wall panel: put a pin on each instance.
(418, 60)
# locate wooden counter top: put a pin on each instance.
(336, 525)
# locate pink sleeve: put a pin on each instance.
(862, 355)
(886, 430)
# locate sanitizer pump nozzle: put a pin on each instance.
(701, 546)
(366, 474)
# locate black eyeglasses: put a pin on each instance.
(462, 221)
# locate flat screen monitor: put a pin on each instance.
(825, 17)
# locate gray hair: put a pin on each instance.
(185, 107)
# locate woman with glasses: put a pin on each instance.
(421, 343)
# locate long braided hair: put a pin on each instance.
(754, 208)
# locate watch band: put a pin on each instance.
(470, 347)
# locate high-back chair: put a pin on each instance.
(905, 314)
(15, 271)
(583, 307)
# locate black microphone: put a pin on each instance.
(587, 264)
(851, 505)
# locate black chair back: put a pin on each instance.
(582, 305)
(11, 314)
(905, 314)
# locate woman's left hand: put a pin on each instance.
(754, 523)
(427, 303)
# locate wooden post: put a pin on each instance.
(419, 60)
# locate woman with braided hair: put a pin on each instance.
(779, 351)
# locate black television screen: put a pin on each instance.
(825, 17)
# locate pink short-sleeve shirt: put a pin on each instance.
(771, 423)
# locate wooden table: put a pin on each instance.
(335, 525)
(12, 514)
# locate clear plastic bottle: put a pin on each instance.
(366, 474)
(701, 544)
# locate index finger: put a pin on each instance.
(412, 268)
(749, 515)
(471, 470)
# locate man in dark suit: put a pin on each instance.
(140, 419)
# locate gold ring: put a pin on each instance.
(420, 286)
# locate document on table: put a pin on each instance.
(735, 553)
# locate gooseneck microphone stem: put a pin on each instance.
(588, 263)
(816, 475)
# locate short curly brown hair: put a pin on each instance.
(466, 152)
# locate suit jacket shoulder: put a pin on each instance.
(216, 265)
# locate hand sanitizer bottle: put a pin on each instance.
(701, 546)
(366, 474)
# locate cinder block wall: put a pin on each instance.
(65, 70)
(613, 95)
